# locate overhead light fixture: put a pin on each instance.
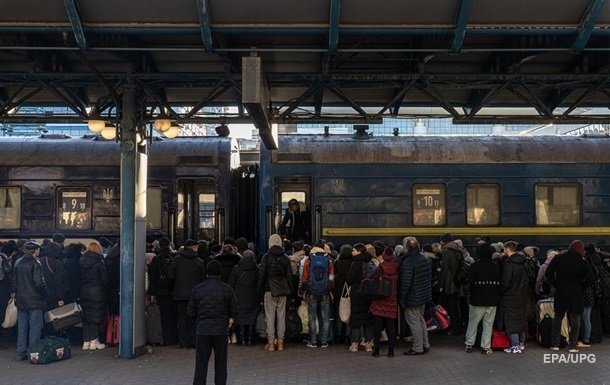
(96, 123)
(109, 131)
(173, 130)
(162, 122)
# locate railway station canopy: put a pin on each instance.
(294, 61)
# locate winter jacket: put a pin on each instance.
(158, 273)
(342, 265)
(570, 274)
(71, 264)
(415, 280)
(93, 287)
(227, 262)
(484, 283)
(274, 264)
(187, 271)
(451, 260)
(28, 284)
(387, 307)
(513, 293)
(359, 306)
(244, 280)
(212, 303)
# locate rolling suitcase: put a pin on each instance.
(63, 317)
(546, 307)
(113, 330)
(154, 331)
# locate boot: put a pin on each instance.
(368, 346)
(270, 346)
(241, 336)
(376, 351)
(280, 345)
(353, 347)
(96, 345)
(390, 352)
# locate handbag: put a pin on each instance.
(376, 288)
(499, 340)
(437, 318)
(261, 323)
(279, 287)
(345, 304)
(11, 314)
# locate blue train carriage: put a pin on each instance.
(542, 191)
(72, 185)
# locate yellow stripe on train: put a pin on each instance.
(464, 231)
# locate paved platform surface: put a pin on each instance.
(447, 363)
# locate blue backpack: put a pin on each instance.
(317, 282)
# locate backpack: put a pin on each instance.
(601, 287)
(461, 274)
(531, 267)
(545, 327)
(165, 261)
(318, 280)
(368, 268)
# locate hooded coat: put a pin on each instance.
(93, 287)
(387, 307)
(244, 280)
(187, 271)
(570, 273)
(452, 256)
(55, 275)
(359, 306)
(513, 292)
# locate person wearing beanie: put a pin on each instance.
(187, 270)
(484, 285)
(275, 265)
(214, 307)
(385, 311)
(243, 279)
(59, 238)
(570, 274)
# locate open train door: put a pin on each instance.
(199, 215)
(285, 190)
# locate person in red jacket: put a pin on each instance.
(385, 311)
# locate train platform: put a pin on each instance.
(446, 363)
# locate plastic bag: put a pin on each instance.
(10, 316)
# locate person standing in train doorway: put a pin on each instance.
(296, 222)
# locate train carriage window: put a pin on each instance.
(74, 208)
(207, 217)
(558, 204)
(153, 208)
(429, 205)
(483, 205)
(10, 208)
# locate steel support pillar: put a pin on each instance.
(133, 230)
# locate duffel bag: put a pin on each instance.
(49, 349)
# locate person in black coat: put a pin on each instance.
(484, 285)
(71, 263)
(55, 275)
(161, 289)
(214, 305)
(186, 271)
(93, 295)
(513, 292)
(359, 306)
(342, 265)
(296, 222)
(569, 273)
(228, 259)
(244, 280)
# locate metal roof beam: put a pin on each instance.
(345, 97)
(65, 100)
(461, 21)
(215, 92)
(587, 23)
(312, 88)
(444, 104)
(204, 22)
(333, 29)
(542, 110)
(584, 119)
(397, 99)
(479, 98)
(583, 97)
(76, 19)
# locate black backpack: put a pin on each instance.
(532, 266)
(461, 274)
(294, 325)
(545, 327)
(164, 260)
(601, 287)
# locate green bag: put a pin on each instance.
(49, 349)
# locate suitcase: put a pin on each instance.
(63, 317)
(499, 340)
(154, 330)
(546, 306)
(49, 349)
(113, 330)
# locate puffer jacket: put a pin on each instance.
(513, 291)
(387, 307)
(187, 271)
(28, 284)
(93, 287)
(243, 280)
(415, 280)
(359, 306)
(212, 303)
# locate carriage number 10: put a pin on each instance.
(428, 201)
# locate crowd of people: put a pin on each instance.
(501, 288)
